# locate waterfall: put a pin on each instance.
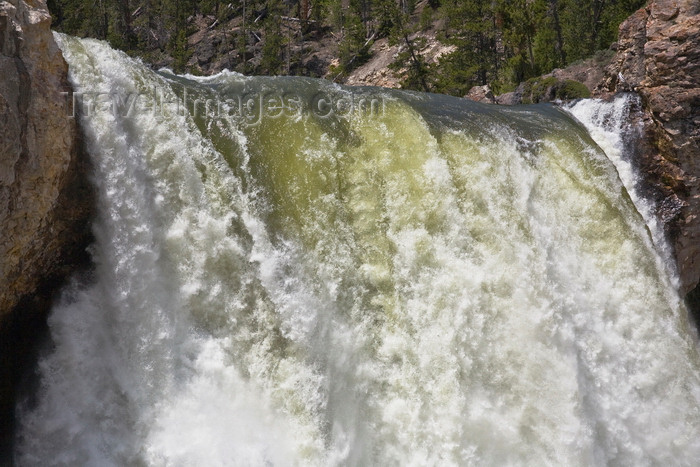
(292, 272)
(614, 128)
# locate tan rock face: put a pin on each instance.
(658, 56)
(45, 199)
(481, 94)
(377, 71)
(38, 145)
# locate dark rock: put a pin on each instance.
(316, 66)
(626, 70)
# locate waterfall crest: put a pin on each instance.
(290, 272)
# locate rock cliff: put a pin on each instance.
(658, 56)
(45, 199)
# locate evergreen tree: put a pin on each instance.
(353, 49)
(272, 60)
(414, 71)
(519, 21)
(471, 28)
(496, 42)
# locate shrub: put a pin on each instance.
(571, 89)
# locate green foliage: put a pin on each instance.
(591, 25)
(353, 49)
(570, 89)
(545, 89)
(538, 89)
(272, 60)
(409, 63)
(497, 42)
(81, 18)
(331, 11)
(178, 50)
(426, 18)
(411, 66)
(471, 29)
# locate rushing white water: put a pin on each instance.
(611, 126)
(435, 282)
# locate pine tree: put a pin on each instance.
(272, 60)
(471, 28)
(497, 42)
(414, 71)
(518, 20)
(353, 49)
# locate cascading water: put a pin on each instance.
(610, 125)
(299, 273)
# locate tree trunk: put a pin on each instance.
(554, 10)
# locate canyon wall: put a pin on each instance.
(658, 56)
(45, 197)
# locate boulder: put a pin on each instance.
(481, 94)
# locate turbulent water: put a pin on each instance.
(289, 272)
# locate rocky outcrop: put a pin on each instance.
(376, 71)
(481, 94)
(379, 69)
(45, 199)
(573, 82)
(658, 56)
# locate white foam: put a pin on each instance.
(460, 299)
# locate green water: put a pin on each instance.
(309, 274)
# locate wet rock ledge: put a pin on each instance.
(46, 201)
